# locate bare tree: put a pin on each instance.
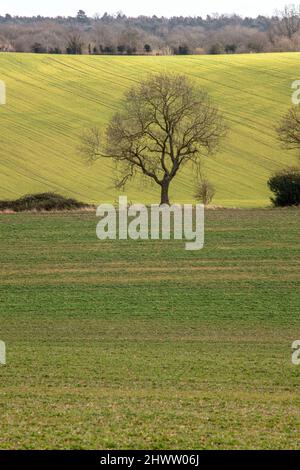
(289, 20)
(166, 123)
(74, 43)
(205, 192)
(289, 129)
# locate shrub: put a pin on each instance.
(230, 48)
(205, 192)
(182, 50)
(286, 186)
(216, 49)
(42, 202)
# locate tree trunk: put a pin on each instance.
(165, 192)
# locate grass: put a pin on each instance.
(145, 345)
(50, 99)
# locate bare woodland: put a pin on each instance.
(122, 35)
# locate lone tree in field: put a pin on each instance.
(289, 129)
(166, 122)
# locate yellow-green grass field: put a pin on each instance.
(50, 99)
(126, 344)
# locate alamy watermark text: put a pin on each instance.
(139, 222)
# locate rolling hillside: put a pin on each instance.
(51, 98)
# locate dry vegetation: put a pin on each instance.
(118, 34)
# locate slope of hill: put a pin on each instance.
(50, 99)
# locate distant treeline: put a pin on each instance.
(122, 35)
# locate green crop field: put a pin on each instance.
(142, 344)
(145, 345)
(50, 99)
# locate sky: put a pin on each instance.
(137, 7)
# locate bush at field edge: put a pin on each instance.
(42, 202)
